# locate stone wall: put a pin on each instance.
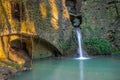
(101, 19)
(46, 19)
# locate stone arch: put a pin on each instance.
(34, 46)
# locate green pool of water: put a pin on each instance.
(99, 68)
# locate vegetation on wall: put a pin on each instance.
(94, 41)
(98, 46)
(101, 21)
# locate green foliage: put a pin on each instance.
(98, 46)
(63, 44)
(116, 52)
(16, 65)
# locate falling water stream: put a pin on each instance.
(79, 37)
(79, 42)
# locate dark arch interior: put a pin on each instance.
(19, 45)
(78, 17)
(74, 16)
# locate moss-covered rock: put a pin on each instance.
(46, 19)
(97, 46)
(101, 20)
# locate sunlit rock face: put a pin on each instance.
(101, 18)
(52, 23)
(46, 19)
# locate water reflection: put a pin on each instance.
(81, 66)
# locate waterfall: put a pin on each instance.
(80, 50)
(79, 37)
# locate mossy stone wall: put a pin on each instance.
(101, 19)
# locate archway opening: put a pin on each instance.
(18, 45)
(74, 12)
(76, 20)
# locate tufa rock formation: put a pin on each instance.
(34, 29)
